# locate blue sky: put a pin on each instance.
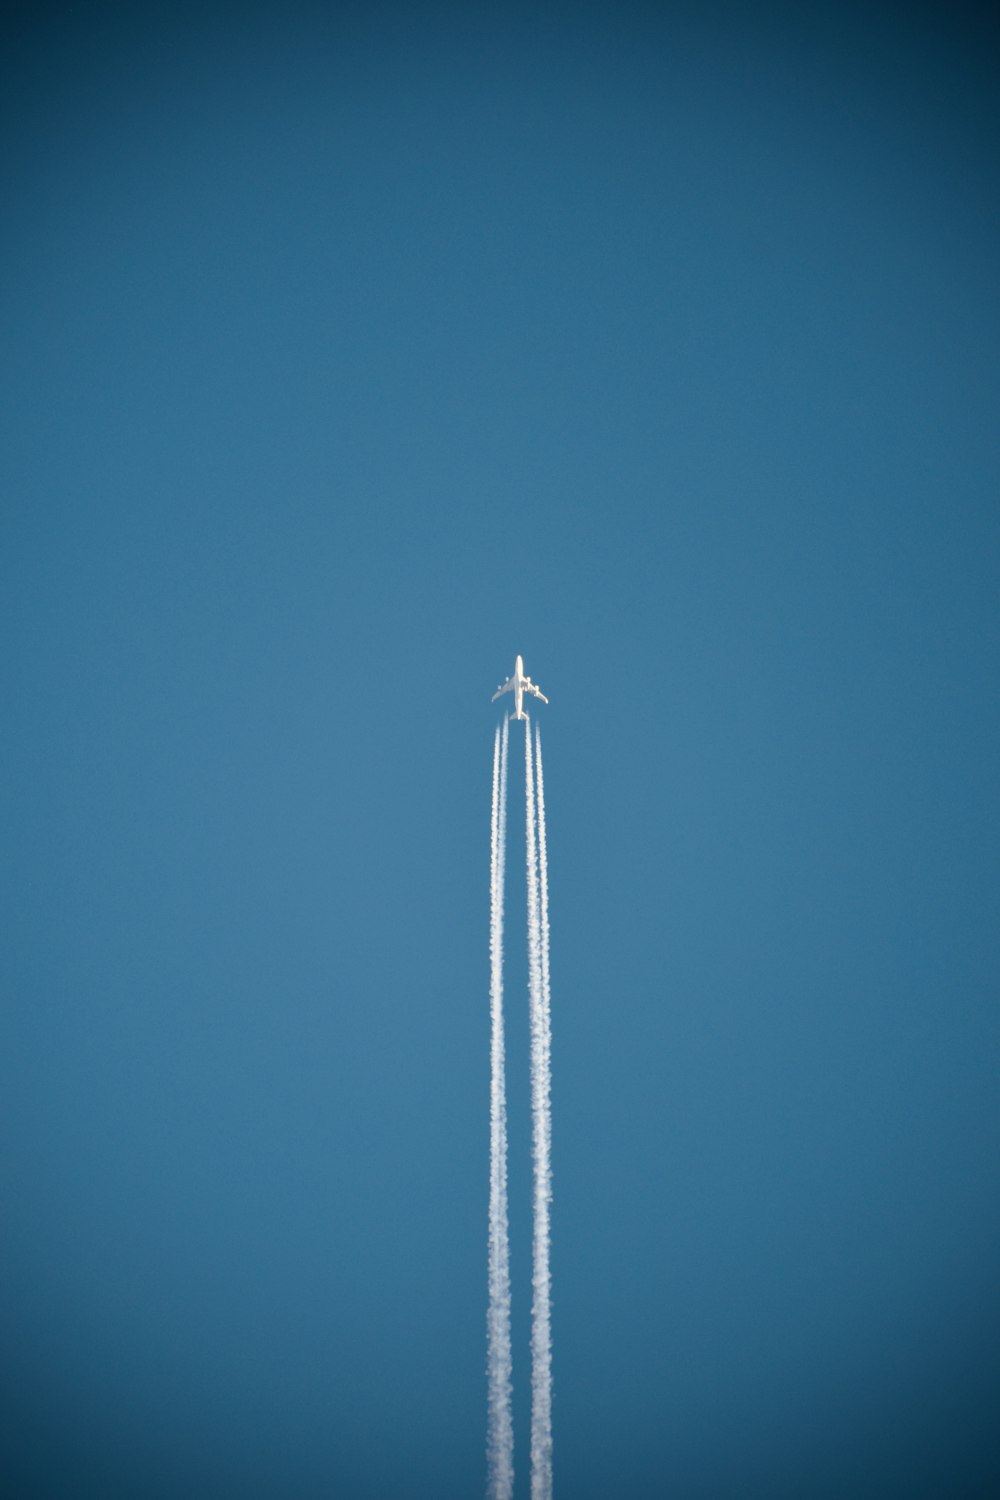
(352, 350)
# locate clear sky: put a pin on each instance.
(350, 351)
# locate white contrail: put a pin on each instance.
(543, 905)
(541, 1133)
(543, 902)
(500, 1428)
(546, 1186)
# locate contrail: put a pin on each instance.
(500, 1431)
(541, 1136)
(543, 902)
(546, 1193)
(543, 906)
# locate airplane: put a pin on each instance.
(519, 685)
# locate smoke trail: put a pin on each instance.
(500, 1429)
(541, 1134)
(543, 901)
(546, 1019)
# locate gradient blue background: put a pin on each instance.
(349, 351)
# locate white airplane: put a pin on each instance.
(519, 685)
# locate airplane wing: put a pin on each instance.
(507, 687)
(529, 687)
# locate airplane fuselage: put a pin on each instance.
(519, 712)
